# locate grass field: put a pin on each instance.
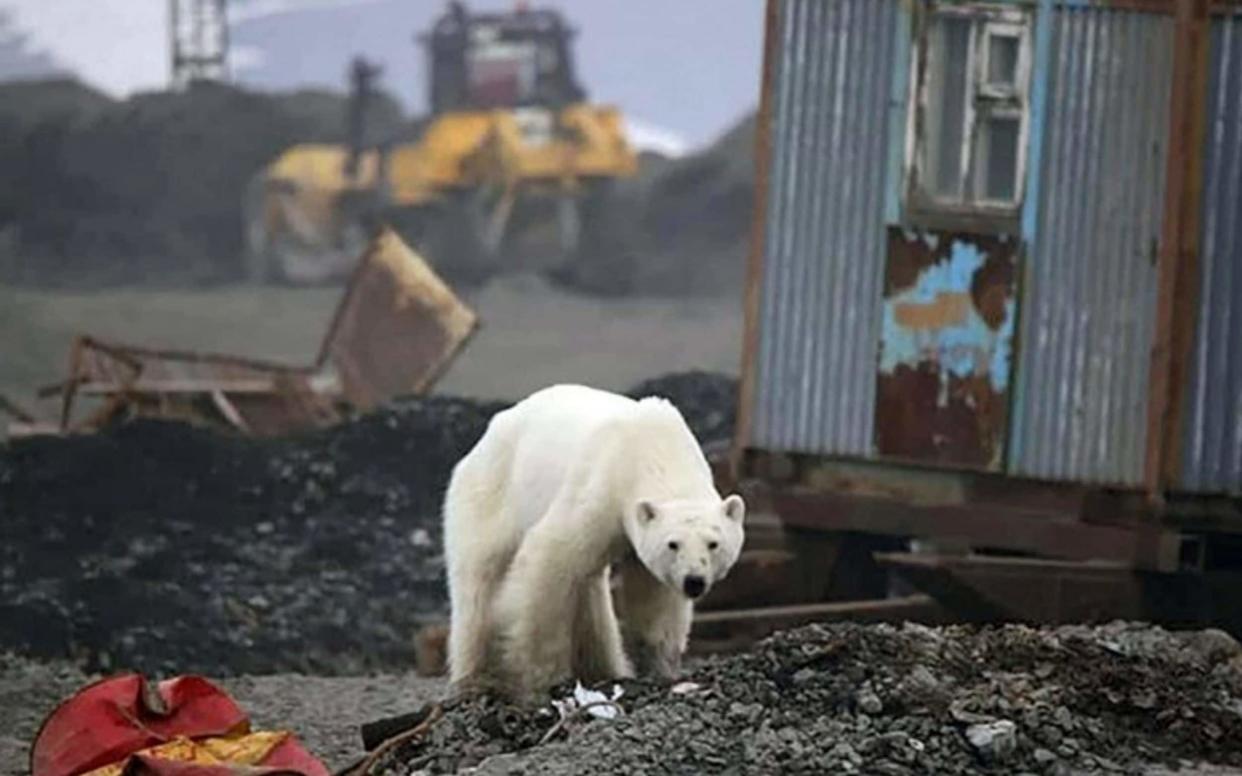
(532, 335)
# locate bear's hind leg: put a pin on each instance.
(472, 589)
(598, 651)
(479, 542)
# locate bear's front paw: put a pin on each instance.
(656, 662)
(467, 689)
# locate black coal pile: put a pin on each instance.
(885, 700)
(681, 227)
(145, 190)
(162, 547)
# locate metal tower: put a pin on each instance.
(199, 34)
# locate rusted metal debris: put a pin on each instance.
(397, 328)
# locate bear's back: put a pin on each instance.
(542, 437)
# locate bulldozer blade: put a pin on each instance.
(299, 237)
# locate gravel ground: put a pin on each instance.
(888, 700)
(327, 712)
(29, 690)
(324, 712)
(1122, 698)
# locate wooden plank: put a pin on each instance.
(229, 412)
(758, 231)
(1147, 547)
(990, 589)
(15, 410)
(181, 385)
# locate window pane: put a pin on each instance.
(947, 94)
(997, 158)
(1002, 60)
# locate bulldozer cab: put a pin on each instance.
(488, 61)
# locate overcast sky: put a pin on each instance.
(690, 66)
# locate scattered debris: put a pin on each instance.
(246, 395)
(592, 702)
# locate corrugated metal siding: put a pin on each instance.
(823, 256)
(1087, 309)
(1212, 448)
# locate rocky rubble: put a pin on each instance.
(166, 548)
(888, 700)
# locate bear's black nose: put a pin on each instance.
(694, 586)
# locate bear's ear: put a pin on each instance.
(735, 508)
(646, 512)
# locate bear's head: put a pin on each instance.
(688, 545)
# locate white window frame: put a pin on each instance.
(983, 98)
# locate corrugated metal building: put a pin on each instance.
(1001, 237)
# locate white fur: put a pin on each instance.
(563, 487)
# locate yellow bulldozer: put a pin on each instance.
(513, 164)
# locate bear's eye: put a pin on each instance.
(674, 546)
(713, 545)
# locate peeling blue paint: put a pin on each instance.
(965, 348)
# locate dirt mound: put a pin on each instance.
(885, 700)
(162, 547)
(148, 190)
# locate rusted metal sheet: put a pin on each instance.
(758, 237)
(946, 347)
(822, 265)
(1212, 442)
(397, 328)
(1088, 299)
(248, 395)
(1177, 295)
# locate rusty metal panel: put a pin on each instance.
(1089, 286)
(398, 326)
(1212, 445)
(819, 312)
(946, 347)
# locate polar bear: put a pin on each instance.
(563, 488)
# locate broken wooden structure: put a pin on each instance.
(397, 328)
